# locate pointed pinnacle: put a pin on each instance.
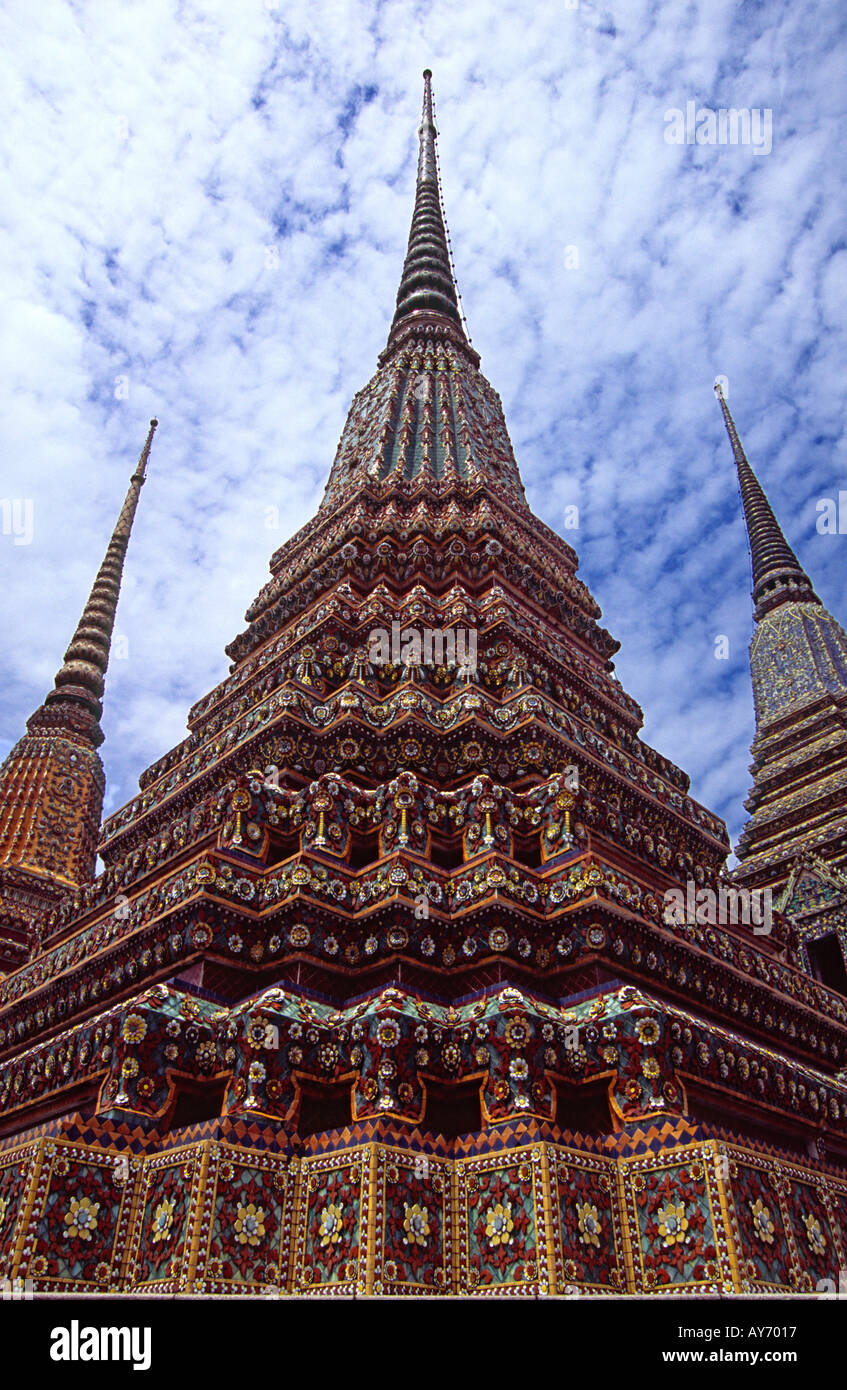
(778, 576)
(426, 285)
(427, 133)
(81, 676)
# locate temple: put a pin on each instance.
(379, 990)
(52, 782)
(795, 841)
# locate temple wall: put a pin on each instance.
(506, 1216)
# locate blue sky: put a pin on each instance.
(212, 201)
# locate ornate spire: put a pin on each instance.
(427, 286)
(798, 667)
(80, 678)
(428, 427)
(778, 576)
(52, 782)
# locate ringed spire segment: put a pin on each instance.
(778, 576)
(81, 675)
(426, 285)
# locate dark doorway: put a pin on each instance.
(583, 1109)
(364, 849)
(196, 1103)
(446, 854)
(827, 962)
(454, 1109)
(324, 1107)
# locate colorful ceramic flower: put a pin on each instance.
(499, 1224)
(415, 1224)
(673, 1224)
(259, 1032)
(517, 1032)
(81, 1218)
(250, 1224)
(589, 1223)
(330, 1223)
(134, 1029)
(814, 1234)
(647, 1031)
(762, 1223)
(163, 1218)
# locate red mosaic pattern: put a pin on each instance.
(585, 1200)
(240, 1203)
(247, 1206)
(672, 1224)
(764, 1254)
(78, 1220)
(413, 1224)
(14, 1179)
(164, 1220)
(500, 1223)
(815, 1238)
(838, 1204)
(331, 1223)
